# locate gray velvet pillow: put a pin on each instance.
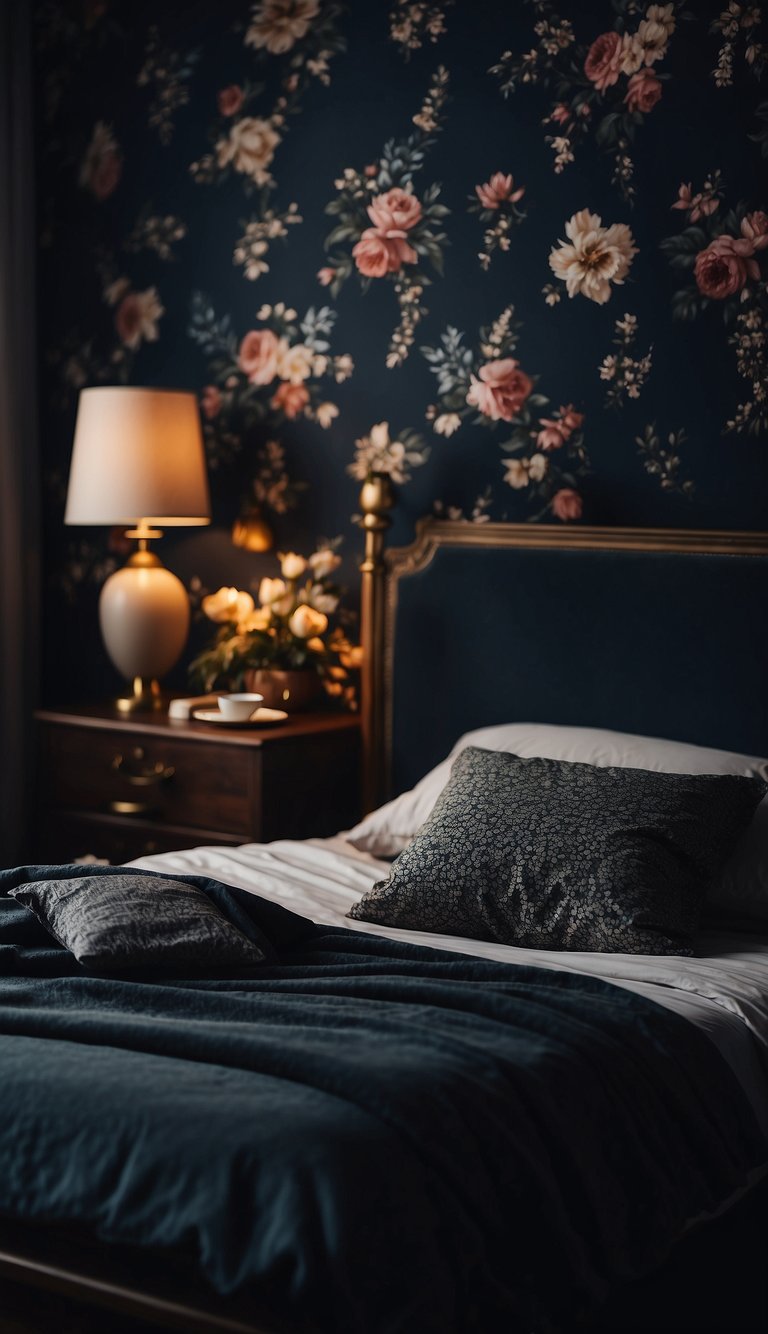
(119, 923)
(552, 855)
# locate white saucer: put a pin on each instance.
(261, 718)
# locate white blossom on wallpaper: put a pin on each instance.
(167, 73)
(392, 230)
(624, 373)
(378, 451)
(594, 258)
(415, 23)
(739, 28)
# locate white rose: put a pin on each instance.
(294, 363)
(292, 566)
(447, 423)
(537, 467)
(271, 591)
(325, 413)
(228, 604)
(250, 148)
(256, 620)
(516, 474)
(324, 562)
(305, 622)
(322, 601)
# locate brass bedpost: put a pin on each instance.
(376, 500)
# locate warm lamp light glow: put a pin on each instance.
(251, 532)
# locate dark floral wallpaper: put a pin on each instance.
(515, 255)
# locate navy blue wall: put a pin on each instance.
(165, 131)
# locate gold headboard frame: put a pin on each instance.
(382, 570)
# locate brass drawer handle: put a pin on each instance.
(137, 777)
(130, 808)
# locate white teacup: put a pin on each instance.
(238, 708)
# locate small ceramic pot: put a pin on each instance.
(292, 691)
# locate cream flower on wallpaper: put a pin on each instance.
(294, 363)
(137, 316)
(277, 25)
(249, 147)
(594, 256)
(377, 452)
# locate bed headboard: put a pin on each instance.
(662, 632)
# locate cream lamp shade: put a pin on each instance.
(139, 459)
(138, 454)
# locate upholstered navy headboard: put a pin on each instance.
(656, 632)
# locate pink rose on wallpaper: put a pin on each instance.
(326, 276)
(725, 267)
(377, 255)
(498, 190)
(210, 402)
(290, 398)
(258, 356)
(230, 99)
(754, 228)
(395, 212)
(567, 504)
(643, 91)
(551, 436)
(570, 420)
(501, 390)
(698, 205)
(603, 63)
(102, 165)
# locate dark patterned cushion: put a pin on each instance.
(552, 855)
(118, 923)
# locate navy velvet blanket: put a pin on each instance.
(365, 1135)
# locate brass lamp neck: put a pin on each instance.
(143, 559)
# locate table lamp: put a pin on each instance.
(138, 459)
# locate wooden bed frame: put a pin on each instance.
(45, 1273)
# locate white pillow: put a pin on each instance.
(388, 830)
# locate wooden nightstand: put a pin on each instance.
(120, 788)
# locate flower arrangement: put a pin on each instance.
(290, 630)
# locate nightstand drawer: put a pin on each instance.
(68, 836)
(147, 778)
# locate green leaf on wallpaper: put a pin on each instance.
(343, 232)
(686, 304)
(607, 131)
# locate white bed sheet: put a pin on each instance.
(723, 989)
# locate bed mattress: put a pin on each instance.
(723, 989)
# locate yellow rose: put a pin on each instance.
(305, 622)
(228, 604)
(270, 591)
(257, 620)
(292, 566)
